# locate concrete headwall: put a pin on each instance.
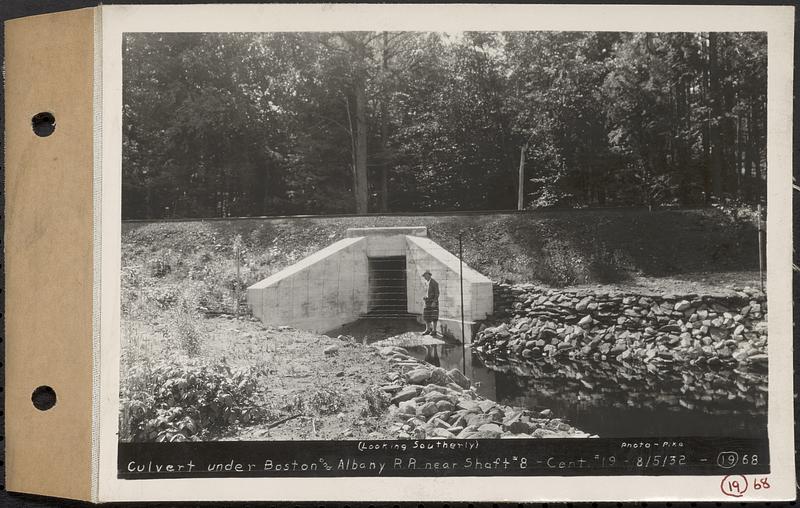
(320, 292)
(331, 287)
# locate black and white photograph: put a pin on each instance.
(407, 235)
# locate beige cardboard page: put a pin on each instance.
(48, 239)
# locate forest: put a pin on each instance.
(288, 123)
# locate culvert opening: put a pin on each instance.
(388, 296)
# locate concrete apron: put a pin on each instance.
(332, 286)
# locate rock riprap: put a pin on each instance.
(536, 322)
(431, 402)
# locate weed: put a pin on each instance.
(296, 404)
(184, 326)
(160, 266)
(377, 401)
(562, 264)
(326, 401)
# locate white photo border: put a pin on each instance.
(777, 21)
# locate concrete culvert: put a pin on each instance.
(372, 272)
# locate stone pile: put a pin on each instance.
(536, 322)
(431, 402)
(505, 296)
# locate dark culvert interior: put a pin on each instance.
(388, 296)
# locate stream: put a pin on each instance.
(609, 399)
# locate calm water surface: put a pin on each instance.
(609, 399)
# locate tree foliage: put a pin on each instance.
(248, 124)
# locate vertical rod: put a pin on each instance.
(760, 253)
(521, 182)
(236, 284)
(461, 282)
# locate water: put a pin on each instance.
(608, 399)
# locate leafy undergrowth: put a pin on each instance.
(180, 401)
(247, 382)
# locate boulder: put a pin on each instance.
(454, 387)
(418, 376)
(444, 405)
(435, 397)
(468, 405)
(486, 405)
(583, 304)
(618, 348)
(492, 429)
(405, 394)
(458, 378)
(439, 376)
(519, 427)
(440, 432)
(477, 419)
(392, 388)
(547, 333)
(428, 409)
(331, 350)
(408, 408)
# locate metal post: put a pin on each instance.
(760, 253)
(236, 253)
(461, 282)
(521, 182)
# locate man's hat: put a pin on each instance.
(426, 272)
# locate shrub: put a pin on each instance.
(184, 327)
(162, 296)
(178, 402)
(377, 401)
(562, 264)
(159, 267)
(607, 264)
(327, 401)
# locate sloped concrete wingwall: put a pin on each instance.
(424, 254)
(319, 293)
(331, 287)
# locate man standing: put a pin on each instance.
(430, 311)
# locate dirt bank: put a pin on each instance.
(556, 247)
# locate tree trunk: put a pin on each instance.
(706, 130)
(756, 145)
(739, 152)
(716, 115)
(384, 166)
(681, 150)
(360, 186)
(729, 132)
(748, 155)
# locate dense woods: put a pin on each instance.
(248, 124)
